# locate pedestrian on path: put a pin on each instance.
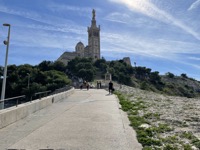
(87, 85)
(110, 87)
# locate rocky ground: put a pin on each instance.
(180, 113)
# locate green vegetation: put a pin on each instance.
(82, 68)
(151, 134)
(139, 77)
(51, 75)
(170, 75)
(45, 76)
(87, 69)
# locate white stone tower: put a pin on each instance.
(94, 38)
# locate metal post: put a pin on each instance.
(28, 80)
(5, 67)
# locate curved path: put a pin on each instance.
(87, 120)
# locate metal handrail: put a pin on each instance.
(17, 97)
(7, 99)
(39, 93)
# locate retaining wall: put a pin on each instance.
(13, 114)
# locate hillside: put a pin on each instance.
(139, 77)
(174, 86)
(161, 121)
(182, 86)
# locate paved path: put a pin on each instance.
(87, 120)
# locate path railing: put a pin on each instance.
(14, 101)
(42, 93)
(12, 98)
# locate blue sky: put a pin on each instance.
(163, 35)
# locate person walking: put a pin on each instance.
(87, 85)
(110, 87)
(97, 84)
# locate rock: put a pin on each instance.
(145, 126)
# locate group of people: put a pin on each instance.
(110, 86)
(85, 84)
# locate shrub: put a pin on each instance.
(170, 75)
(170, 147)
(144, 86)
(187, 147)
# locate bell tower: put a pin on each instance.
(94, 38)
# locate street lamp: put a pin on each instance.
(6, 42)
(135, 64)
(28, 79)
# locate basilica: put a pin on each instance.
(92, 50)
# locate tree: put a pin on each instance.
(82, 68)
(39, 80)
(101, 65)
(184, 75)
(45, 65)
(170, 75)
(55, 79)
(59, 66)
(86, 74)
(154, 77)
(142, 72)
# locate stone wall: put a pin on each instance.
(13, 114)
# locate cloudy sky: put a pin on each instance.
(163, 35)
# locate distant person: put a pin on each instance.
(81, 86)
(110, 87)
(97, 84)
(87, 85)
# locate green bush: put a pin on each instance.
(170, 147)
(170, 140)
(187, 147)
(187, 135)
(149, 141)
(144, 86)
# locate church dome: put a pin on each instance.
(79, 44)
(80, 49)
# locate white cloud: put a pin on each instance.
(44, 39)
(194, 58)
(118, 17)
(40, 33)
(149, 46)
(194, 5)
(58, 7)
(166, 50)
(75, 29)
(25, 14)
(147, 8)
(189, 64)
(42, 18)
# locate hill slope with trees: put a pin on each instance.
(139, 77)
(50, 75)
(27, 80)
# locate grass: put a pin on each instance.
(150, 137)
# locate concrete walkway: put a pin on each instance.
(87, 120)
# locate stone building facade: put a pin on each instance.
(92, 50)
(127, 60)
